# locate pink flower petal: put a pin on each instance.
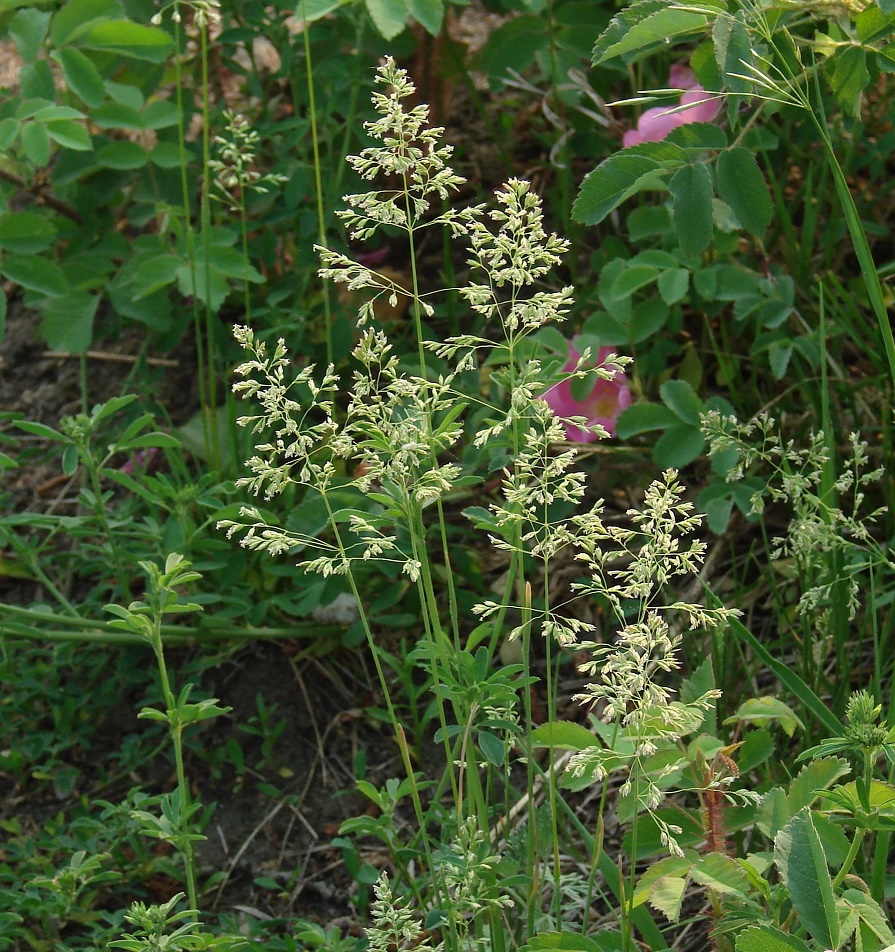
(600, 407)
(702, 108)
(681, 77)
(656, 123)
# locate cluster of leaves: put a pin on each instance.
(114, 127)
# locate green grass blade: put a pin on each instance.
(643, 921)
(789, 679)
(861, 246)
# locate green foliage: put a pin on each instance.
(679, 417)
(116, 211)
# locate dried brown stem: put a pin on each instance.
(41, 195)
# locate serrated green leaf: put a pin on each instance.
(667, 895)
(68, 321)
(647, 222)
(812, 778)
(25, 232)
(647, 318)
(563, 735)
(389, 16)
(885, 58)
(743, 187)
(160, 114)
(122, 155)
(705, 282)
(69, 134)
(673, 285)
(82, 76)
(773, 812)
(154, 274)
(428, 13)
(310, 10)
(76, 17)
(166, 155)
(643, 418)
(622, 175)
(632, 279)
(722, 874)
(206, 283)
(129, 39)
(232, 264)
(126, 94)
(513, 46)
(734, 55)
(53, 112)
(619, 309)
(9, 129)
(768, 939)
(643, 26)
(717, 511)
(655, 257)
(698, 137)
(36, 80)
(799, 855)
(763, 709)
(678, 447)
(699, 683)
(622, 23)
(873, 24)
(757, 747)
(36, 143)
(870, 914)
(848, 76)
(29, 107)
(28, 28)
(115, 115)
(678, 866)
(691, 188)
(35, 274)
(604, 940)
(683, 401)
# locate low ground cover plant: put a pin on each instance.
(605, 515)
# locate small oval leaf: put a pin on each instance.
(691, 187)
(743, 187)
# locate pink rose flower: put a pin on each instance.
(600, 407)
(655, 124)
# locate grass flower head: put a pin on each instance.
(601, 407)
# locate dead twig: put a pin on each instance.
(117, 358)
(41, 195)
